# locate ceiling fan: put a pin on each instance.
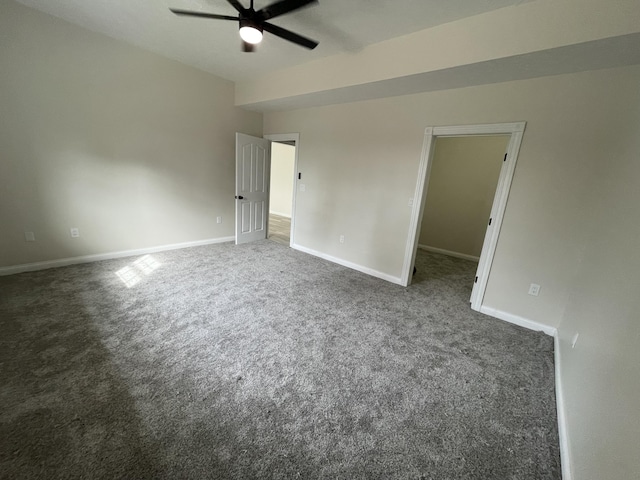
(253, 23)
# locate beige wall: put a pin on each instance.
(283, 159)
(577, 241)
(507, 33)
(600, 376)
(462, 183)
(359, 163)
(136, 150)
(133, 149)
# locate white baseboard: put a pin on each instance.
(565, 458)
(448, 252)
(345, 263)
(63, 262)
(280, 214)
(563, 436)
(517, 320)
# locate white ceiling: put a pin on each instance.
(214, 46)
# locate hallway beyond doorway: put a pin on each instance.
(279, 229)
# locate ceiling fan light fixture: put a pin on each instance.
(252, 23)
(250, 32)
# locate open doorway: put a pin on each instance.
(462, 184)
(283, 175)
(283, 156)
(514, 132)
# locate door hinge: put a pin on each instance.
(505, 158)
(476, 280)
(299, 175)
(490, 221)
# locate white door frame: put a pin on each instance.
(515, 130)
(290, 137)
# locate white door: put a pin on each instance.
(485, 252)
(252, 188)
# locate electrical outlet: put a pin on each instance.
(341, 238)
(534, 289)
(574, 340)
(410, 203)
(218, 219)
(303, 187)
(30, 236)
(75, 232)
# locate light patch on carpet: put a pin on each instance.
(132, 274)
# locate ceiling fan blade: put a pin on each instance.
(289, 35)
(237, 5)
(248, 47)
(282, 7)
(204, 15)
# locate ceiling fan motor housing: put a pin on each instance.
(250, 30)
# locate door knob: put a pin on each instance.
(239, 197)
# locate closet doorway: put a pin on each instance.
(514, 132)
(462, 183)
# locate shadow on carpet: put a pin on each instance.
(258, 361)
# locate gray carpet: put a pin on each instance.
(257, 361)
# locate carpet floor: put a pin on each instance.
(260, 362)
